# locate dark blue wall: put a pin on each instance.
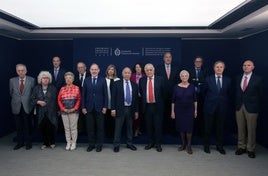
(8, 57)
(255, 48)
(37, 55)
(132, 50)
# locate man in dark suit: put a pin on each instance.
(170, 73)
(152, 92)
(216, 91)
(249, 92)
(80, 77)
(124, 107)
(20, 89)
(58, 80)
(198, 75)
(57, 73)
(94, 106)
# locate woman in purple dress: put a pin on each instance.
(184, 110)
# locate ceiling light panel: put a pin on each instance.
(119, 13)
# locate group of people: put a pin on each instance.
(157, 95)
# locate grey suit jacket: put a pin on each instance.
(18, 98)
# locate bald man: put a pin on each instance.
(249, 91)
(124, 108)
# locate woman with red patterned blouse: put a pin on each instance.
(69, 100)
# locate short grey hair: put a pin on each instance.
(21, 65)
(44, 74)
(184, 72)
(69, 74)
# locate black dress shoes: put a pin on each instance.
(240, 151)
(90, 148)
(251, 154)
(116, 149)
(158, 148)
(131, 147)
(206, 149)
(221, 150)
(28, 146)
(148, 147)
(98, 148)
(18, 146)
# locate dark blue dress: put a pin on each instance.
(183, 99)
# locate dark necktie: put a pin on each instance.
(128, 98)
(81, 80)
(21, 85)
(94, 81)
(218, 84)
(197, 73)
(56, 74)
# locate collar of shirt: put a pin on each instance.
(248, 75)
(125, 81)
(216, 76)
(151, 78)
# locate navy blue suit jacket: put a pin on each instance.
(94, 97)
(118, 98)
(213, 98)
(159, 92)
(252, 96)
(60, 78)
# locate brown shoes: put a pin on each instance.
(181, 148)
(189, 150)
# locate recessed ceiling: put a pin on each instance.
(67, 19)
(118, 13)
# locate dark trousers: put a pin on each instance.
(48, 131)
(24, 127)
(153, 118)
(119, 122)
(168, 123)
(214, 121)
(109, 124)
(199, 121)
(95, 128)
(81, 124)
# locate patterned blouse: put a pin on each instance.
(69, 97)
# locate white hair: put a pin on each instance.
(184, 72)
(44, 74)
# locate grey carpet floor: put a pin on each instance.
(170, 162)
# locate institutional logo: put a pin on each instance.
(117, 52)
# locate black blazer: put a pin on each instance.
(201, 79)
(118, 99)
(60, 78)
(77, 80)
(50, 98)
(173, 78)
(213, 98)
(252, 96)
(159, 92)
